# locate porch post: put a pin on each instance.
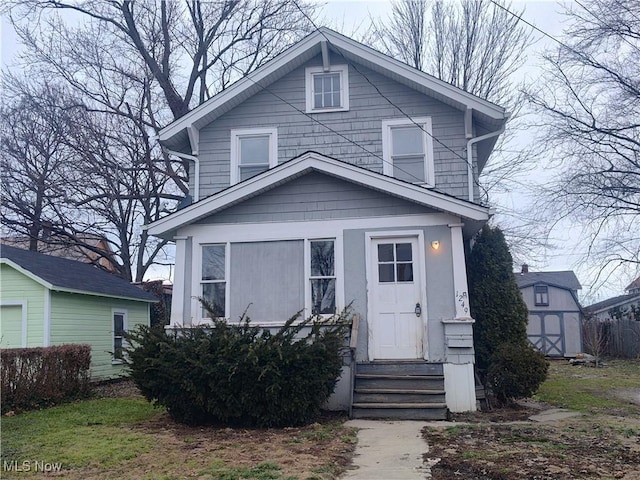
(180, 306)
(459, 273)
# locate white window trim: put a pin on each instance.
(338, 274)
(343, 70)
(427, 138)
(125, 326)
(196, 306)
(237, 134)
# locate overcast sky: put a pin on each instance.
(349, 16)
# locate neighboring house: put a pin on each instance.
(93, 249)
(555, 315)
(622, 307)
(46, 300)
(331, 176)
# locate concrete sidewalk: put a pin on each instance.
(389, 450)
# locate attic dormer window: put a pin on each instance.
(327, 90)
(541, 293)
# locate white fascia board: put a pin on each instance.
(339, 43)
(56, 288)
(314, 161)
(26, 273)
(240, 86)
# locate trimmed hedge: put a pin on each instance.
(43, 376)
(239, 374)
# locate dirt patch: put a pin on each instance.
(628, 394)
(123, 388)
(591, 447)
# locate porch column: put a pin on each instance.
(459, 273)
(180, 302)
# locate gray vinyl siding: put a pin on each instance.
(315, 196)
(362, 124)
(268, 278)
(440, 291)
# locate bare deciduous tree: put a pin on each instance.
(131, 68)
(589, 106)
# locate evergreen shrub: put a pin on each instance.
(516, 371)
(239, 374)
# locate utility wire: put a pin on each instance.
(339, 51)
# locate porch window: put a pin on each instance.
(214, 282)
(395, 263)
(541, 294)
(253, 151)
(327, 91)
(322, 277)
(119, 318)
(407, 147)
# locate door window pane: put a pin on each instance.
(405, 272)
(386, 273)
(395, 262)
(403, 252)
(385, 252)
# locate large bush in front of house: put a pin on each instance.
(500, 314)
(516, 371)
(43, 376)
(239, 374)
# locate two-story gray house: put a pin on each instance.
(555, 314)
(336, 175)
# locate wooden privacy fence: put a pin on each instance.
(618, 338)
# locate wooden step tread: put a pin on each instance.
(399, 390)
(402, 377)
(400, 405)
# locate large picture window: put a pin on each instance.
(214, 283)
(322, 277)
(407, 147)
(253, 151)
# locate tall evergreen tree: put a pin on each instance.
(495, 299)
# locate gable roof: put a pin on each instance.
(634, 286)
(177, 134)
(564, 279)
(302, 165)
(612, 302)
(64, 275)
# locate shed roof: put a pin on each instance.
(61, 274)
(564, 279)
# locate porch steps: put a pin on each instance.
(399, 390)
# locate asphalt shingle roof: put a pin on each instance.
(66, 274)
(609, 302)
(565, 279)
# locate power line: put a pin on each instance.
(475, 181)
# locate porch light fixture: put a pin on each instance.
(435, 244)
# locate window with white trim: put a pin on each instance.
(119, 320)
(253, 151)
(327, 91)
(541, 294)
(407, 147)
(213, 280)
(322, 276)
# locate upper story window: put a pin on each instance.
(541, 295)
(327, 91)
(407, 149)
(253, 151)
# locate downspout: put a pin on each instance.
(196, 161)
(470, 143)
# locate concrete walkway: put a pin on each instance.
(389, 450)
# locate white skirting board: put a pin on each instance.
(460, 388)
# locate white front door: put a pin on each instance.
(396, 316)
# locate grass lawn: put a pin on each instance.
(129, 438)
(602, 443)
